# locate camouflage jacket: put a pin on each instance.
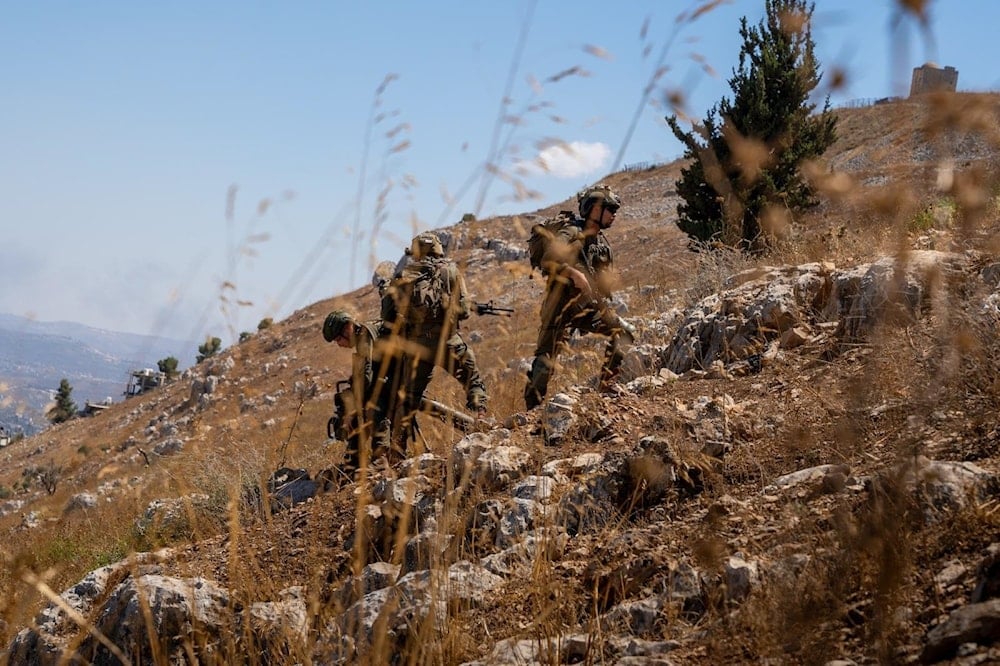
(591, 255)
(367, 357)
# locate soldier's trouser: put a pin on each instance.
(370, 432)
(559, 319)
(369, 439)
(455, 357)
(461, 364)
(418, 370)
(458, 360)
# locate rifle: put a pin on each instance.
(489, 309)
(336, 427)
(344, 416)
(454, 417)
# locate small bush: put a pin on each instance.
(168, 366)
(939, 215)
(49, 476)
(209, 348)
(265, 323)
(61, 550)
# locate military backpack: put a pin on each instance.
(543, 234)
(423, 292)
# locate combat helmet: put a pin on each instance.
(334, 324)
(425, 244)
(591, 195)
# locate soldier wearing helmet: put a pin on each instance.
(601, 195)
(429, 340)
(374, 383)
(425, 245)
(577, 291)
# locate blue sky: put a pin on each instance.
(188, 168)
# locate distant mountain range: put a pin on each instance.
(36, 355)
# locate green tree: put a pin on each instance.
(209, 348)
(64, 409)
(264, 323)
(168, 366)
(745, 178)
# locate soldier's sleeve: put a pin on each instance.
(563, 251)
(366, 350)
(462, 306)
(387, 312)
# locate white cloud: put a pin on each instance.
(567, 160)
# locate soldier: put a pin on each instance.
(374, 383)
(579, 265)
(423, 306)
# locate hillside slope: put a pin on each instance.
(828, 489)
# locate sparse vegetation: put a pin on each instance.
(48, 476)
(265, 323)
(168, 366)
(938, 215)
(209, 348)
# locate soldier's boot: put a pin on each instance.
(608, 382)
(398, 441)
(538, 382)
(613, 358)
(352, 458)
(382, 439)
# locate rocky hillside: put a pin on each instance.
(802, 464)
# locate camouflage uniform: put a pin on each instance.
(374, 384)
(566, 308)
(436, 343)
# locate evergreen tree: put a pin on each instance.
(744, 178)
(168, 366)
(65, 408)
(209, 348)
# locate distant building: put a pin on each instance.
(91, 408)
(144, 380)
(932, 78)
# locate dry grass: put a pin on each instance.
(868, 558)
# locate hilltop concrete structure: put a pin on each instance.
(144, 380)
(932, 78)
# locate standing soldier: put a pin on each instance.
(366, 407)
(579, 265)
(422, 308)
